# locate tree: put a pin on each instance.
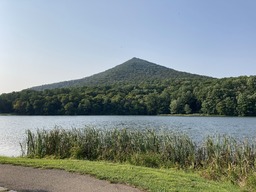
(70, 108)
(20, 106)
(176, 107)
(187, 109)
(151, 101)
(226, 107)
(227, 96)
(84, 107)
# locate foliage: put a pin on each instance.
(133, 71)
(228, 96)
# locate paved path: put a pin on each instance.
(27, 179)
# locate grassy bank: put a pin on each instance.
(149, 179)
(219, 158)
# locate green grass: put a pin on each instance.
(218, 157)
(149, 179)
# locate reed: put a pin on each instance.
(216, 157)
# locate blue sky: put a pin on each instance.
(46, 41)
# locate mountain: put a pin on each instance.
(132, 71)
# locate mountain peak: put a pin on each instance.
(133, 71)
(134, 60)
(138, 63)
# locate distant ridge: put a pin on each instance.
(133, 71)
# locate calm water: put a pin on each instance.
(12, 128)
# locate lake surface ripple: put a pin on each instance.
(12, 128)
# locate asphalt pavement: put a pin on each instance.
(27, 179)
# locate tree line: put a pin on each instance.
(227, 96)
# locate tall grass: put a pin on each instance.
(216, 157)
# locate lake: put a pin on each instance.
(12, 128)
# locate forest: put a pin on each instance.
(226, 96)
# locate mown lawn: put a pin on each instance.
(148, 179)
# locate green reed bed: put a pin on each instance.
(216, 157)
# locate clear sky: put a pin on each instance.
(47, 41)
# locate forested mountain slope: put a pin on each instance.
(137, 87)
(133, 71)
(227, 96)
